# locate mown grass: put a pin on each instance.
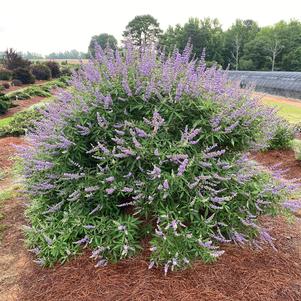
(5, 121)
(291, 112)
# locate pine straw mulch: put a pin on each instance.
(241, 274)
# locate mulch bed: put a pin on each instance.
(7, 150)
(287, 159)
(241, 274)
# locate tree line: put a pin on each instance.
(243, 46)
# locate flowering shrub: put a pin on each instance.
(283, 136)
(148, 146)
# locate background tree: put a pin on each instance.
(236, 37)
(142, 30)
(203, 34)
(102, 40)
(12, 60)
(69, 54)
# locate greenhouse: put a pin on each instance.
(286, 84)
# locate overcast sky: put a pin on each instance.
(45, 26)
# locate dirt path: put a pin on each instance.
(12, 254)
(241, 274)
(281, 99)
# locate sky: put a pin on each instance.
(45, 26)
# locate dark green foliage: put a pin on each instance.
(142, 30)
(283, 136)
(103, 40)
(41, 71)
(21, 123)
(4, 103)
(24, 75)
(5, 74)
(54, 68)
(12, 60)
(66, 71)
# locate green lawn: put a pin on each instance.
(288, 111)
(5, 121)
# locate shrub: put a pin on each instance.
(16, 82)
(2, 88)
(41, 72)
(6, 85)
(4, 103)
(24, 75)
(21, 123)
(148, 145)
(28, 92)
(5, 74)
(12, 60)
(54, 68)
(283, 136)
(66, 71)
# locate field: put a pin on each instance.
(69, 61)
(242, 274)
(288, 108)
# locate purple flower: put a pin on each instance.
(155, 173)
(110, 190)
(165, 184)
(182, 167)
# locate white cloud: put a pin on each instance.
(58, 25)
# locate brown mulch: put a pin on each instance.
(7, 150)
(287, 158)
(241, 274)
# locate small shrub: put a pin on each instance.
(28, 92)
(66, 71)
(5, 74)
(282, 137)
(6, 85)
(24, 75)
(4, 103)
(148, 145)
(16, 82)
(2, 88)
(54, 68)
(41, 71)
